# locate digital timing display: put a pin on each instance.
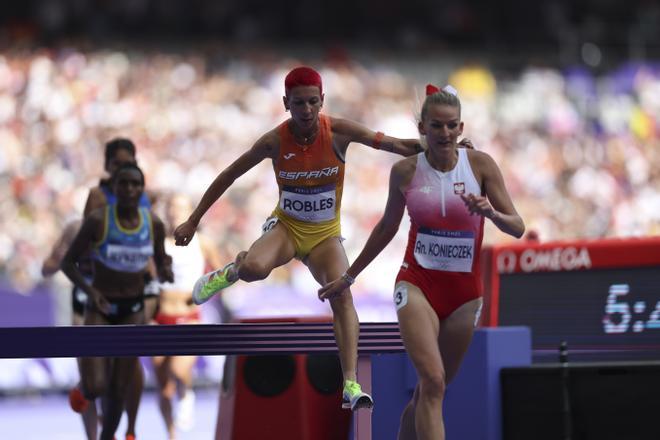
(603, 314)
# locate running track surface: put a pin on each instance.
(49, 417)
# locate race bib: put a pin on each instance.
(269, 224)
(400, 296)
(128, 258)
(451, 251)
(309, 204)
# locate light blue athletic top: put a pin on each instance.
(125, 250)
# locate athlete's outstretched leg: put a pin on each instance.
(327, 261)
(182, 370)
(133, 399)
(166, 392)
(123, 370)
(420, 328)
(271, 250)
(456, 334)
(407, 423)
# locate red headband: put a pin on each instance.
(431, 89)
(302, 76)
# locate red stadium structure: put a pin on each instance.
(296, 394)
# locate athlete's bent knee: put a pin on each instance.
(432, 386)
(342, 302)
(251, 270)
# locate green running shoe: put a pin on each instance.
(353, 397)
(211, 283)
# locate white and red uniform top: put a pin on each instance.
(444, 242)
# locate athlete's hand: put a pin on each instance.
(100, 303)
(466, 143)
(478, 205)
(184, 233)
(333, 289)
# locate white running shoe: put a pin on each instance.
(185, 414)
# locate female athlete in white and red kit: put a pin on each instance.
(448, 191)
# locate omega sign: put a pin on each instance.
(544, 260)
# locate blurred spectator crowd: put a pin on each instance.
(580, 153)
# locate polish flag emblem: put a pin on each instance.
(459, 188)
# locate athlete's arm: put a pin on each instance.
(90, 232)
(95, 200)
(382, 233)
(262, 149)
(52, 264)
(354, 132)
(497, 204)
(162, 260)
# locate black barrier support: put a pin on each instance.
(566, 395)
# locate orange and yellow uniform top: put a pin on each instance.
(311, 181)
